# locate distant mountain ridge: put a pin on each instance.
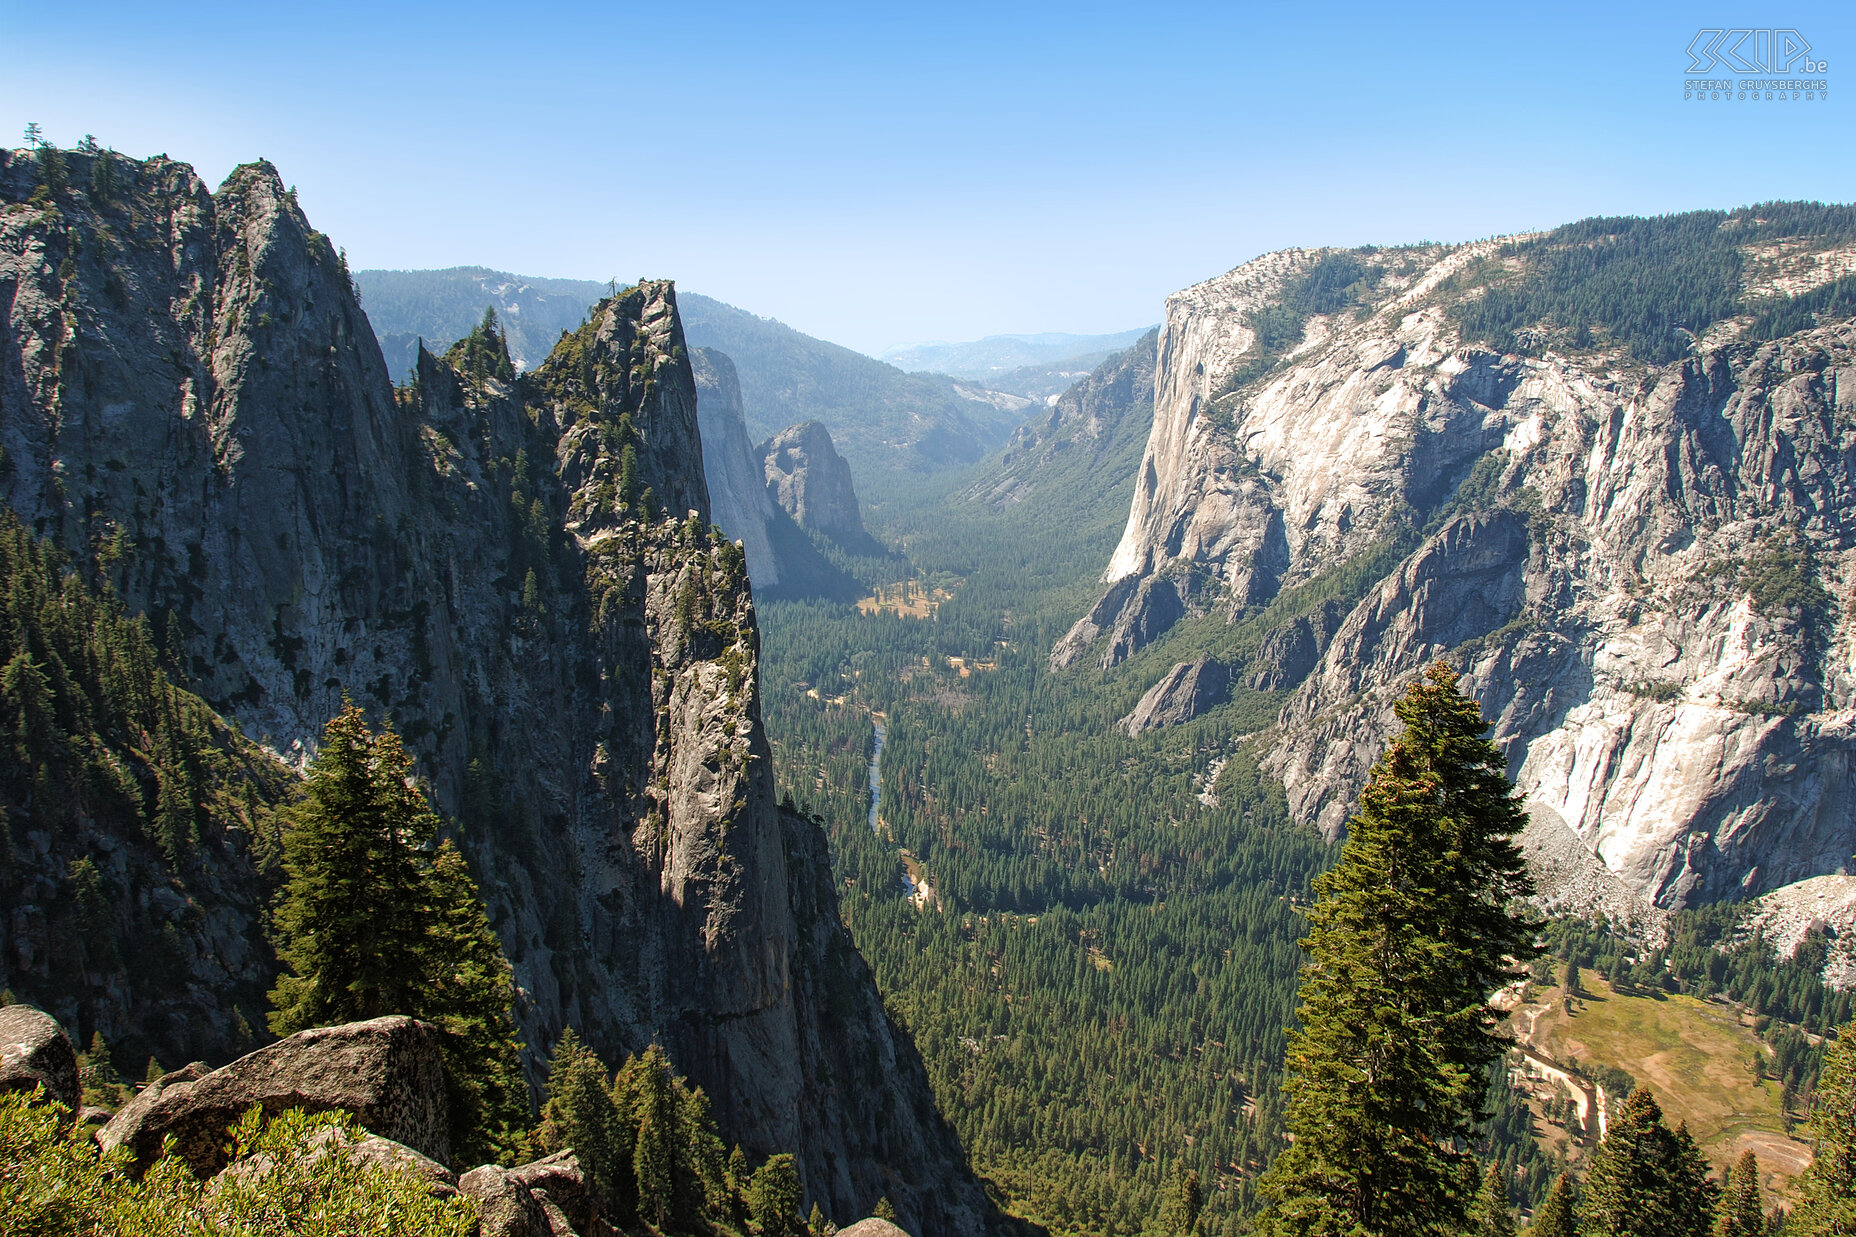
(981, 360)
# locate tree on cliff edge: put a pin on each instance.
(1411, 932)
(375, 920)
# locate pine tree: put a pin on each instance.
(1191, 1198)
(1826, 1191)
(1491, 1216)
(1742, 1215)
(467, 990)
(1411, 932)
(97, 1074)
(349, 920)
(816, 1222)
(706, 1158)
(653, 1157)
(372, 921)
(580, 1114)
(1556, 1216)
(1647, 1180)
(774, 1196)
(884, 1209)
(738, 1176)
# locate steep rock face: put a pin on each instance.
(809, 480)
(1625, 559)
(782, 560)
(502, 566)
(1190, 689)
(737, 489)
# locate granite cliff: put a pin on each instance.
(782, 559)
(1635, 542)
(518, 570)
(808, 480)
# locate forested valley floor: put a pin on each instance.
(1092, 936)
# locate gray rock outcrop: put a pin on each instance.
(1190, 689)
(506, 1207)
(873, 1227)
(35, 1052)
(368, 1151)
(809, 480)
(387, 1073)
(1287, 653)
(561, 1186)
(1629, 562)
(737, 488)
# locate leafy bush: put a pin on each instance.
(1618, 1084)
(287, 1176)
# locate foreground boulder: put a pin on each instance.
(388, 1073)
(548, 1198)
(873, 1227)
(560, 1185)
(35, 1052)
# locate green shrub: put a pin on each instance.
(286, 1177)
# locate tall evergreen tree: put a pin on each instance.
(774, 1196)
(1556, 1217)
(1647, 1180)
(1826, 1191)
(1742, 1215)
(654, 1153)
(1188, 1202)
(1491, 1216)
(1412, 931)
(466, 991)
(705, 1159)
(349, 927)
(373, 920)
(579, 1114)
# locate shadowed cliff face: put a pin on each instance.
(782, 559)
(507, 568)
(1635, 565)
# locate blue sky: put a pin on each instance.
(877, 175)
